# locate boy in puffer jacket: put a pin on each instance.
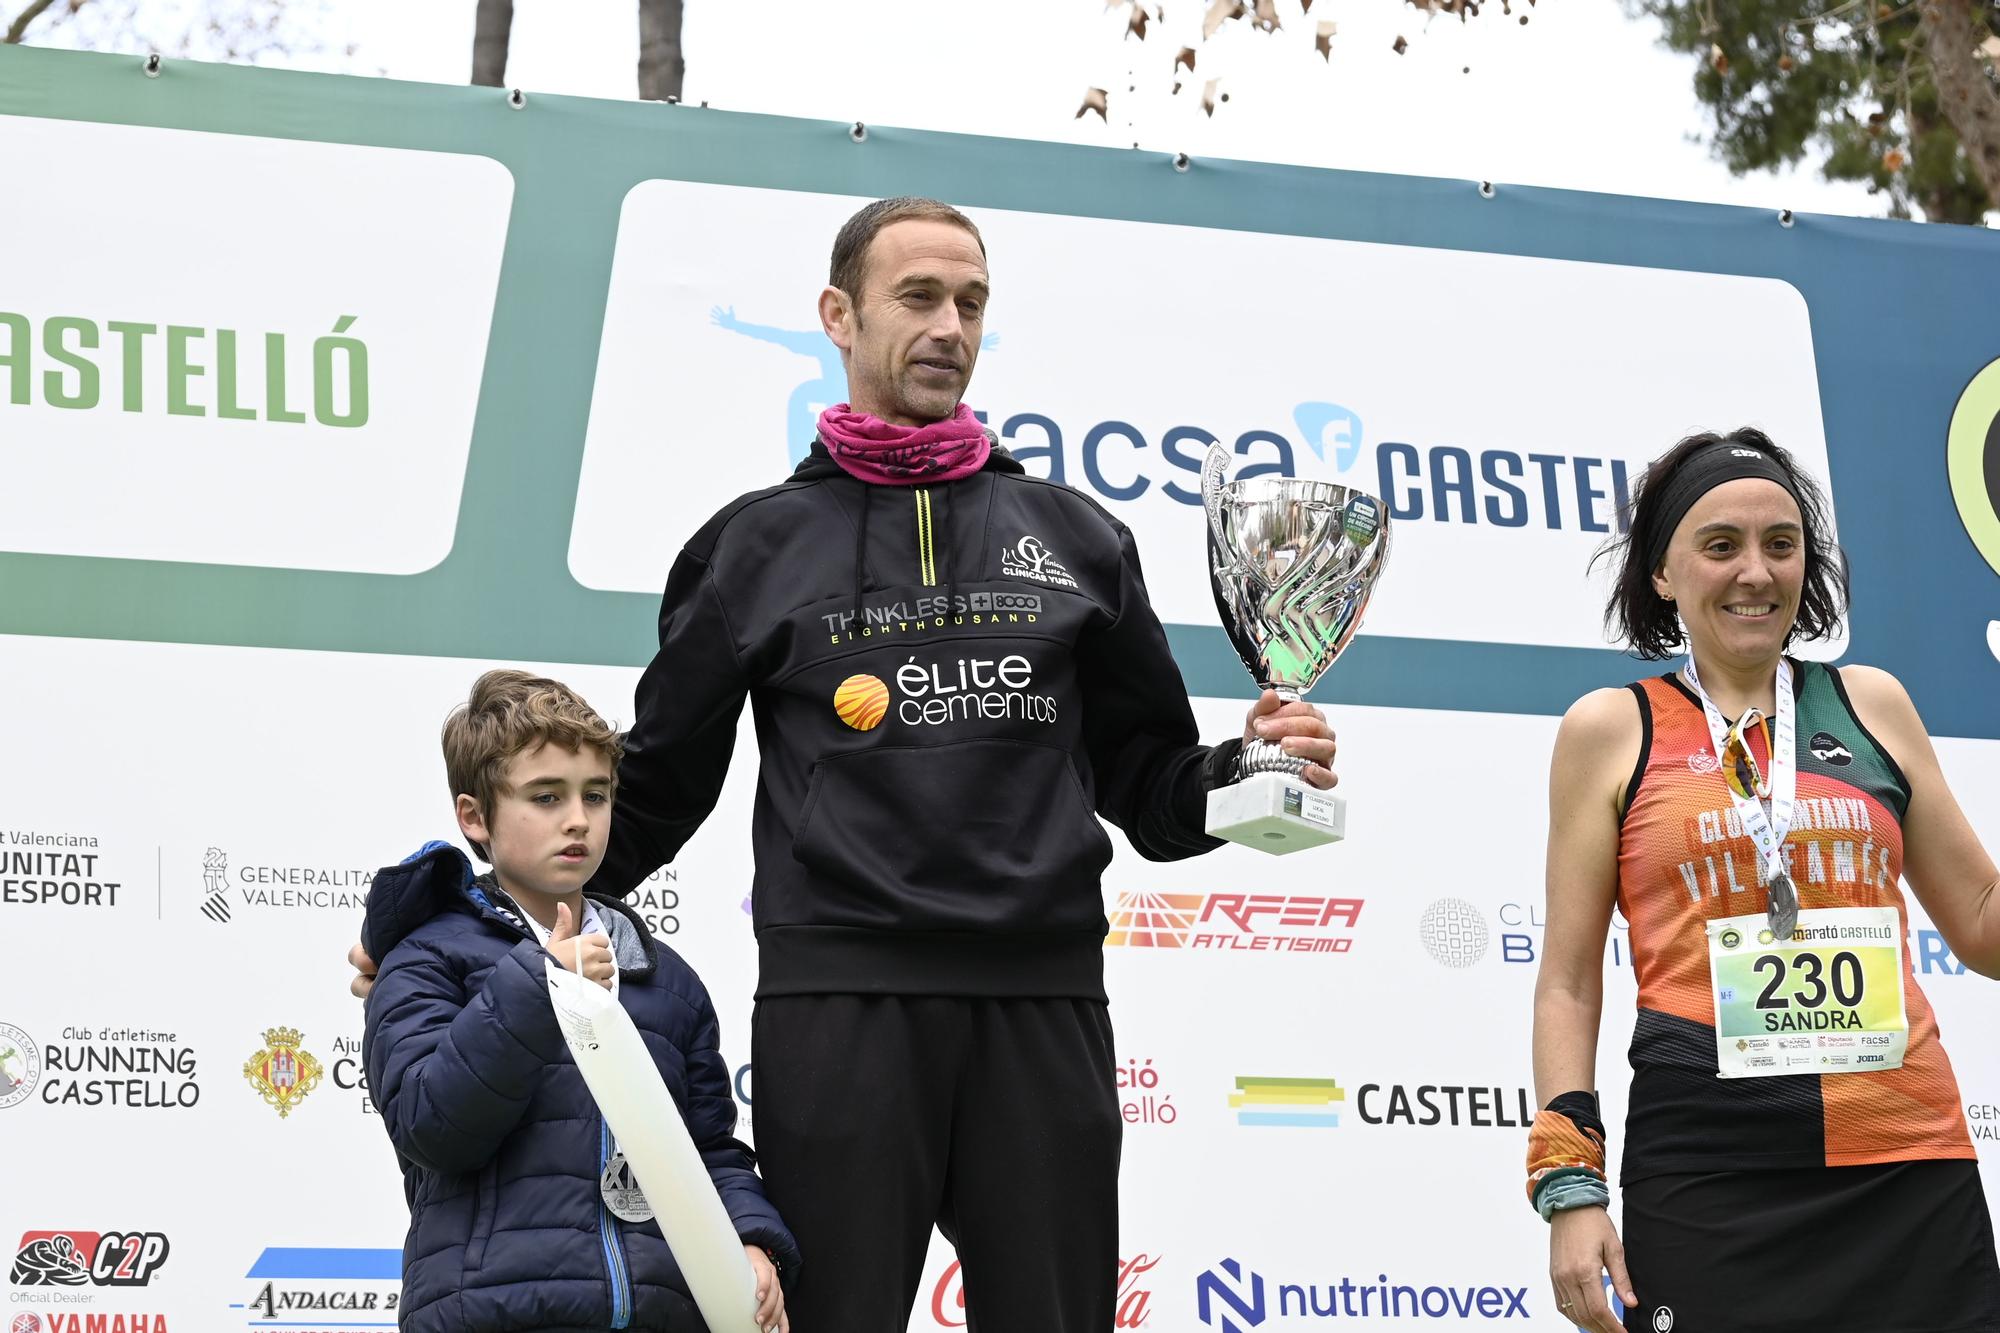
(523, 1215)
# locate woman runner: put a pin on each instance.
(1795, 1155)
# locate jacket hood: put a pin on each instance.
(433, 879)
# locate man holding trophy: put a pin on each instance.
(955, 670)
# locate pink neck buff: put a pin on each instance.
(870, 449)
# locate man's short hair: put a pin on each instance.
(510, 713)
(850, 247)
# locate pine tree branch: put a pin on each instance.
(23, 19)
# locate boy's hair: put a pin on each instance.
(510, 713)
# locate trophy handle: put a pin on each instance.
(1213, 465)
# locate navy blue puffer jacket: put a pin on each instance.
(501, 1144)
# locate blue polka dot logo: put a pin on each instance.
(20, 1065)
(283, 1072)
(1973, 460)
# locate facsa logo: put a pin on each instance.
(100, 1259)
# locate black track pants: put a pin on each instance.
(996, 1119)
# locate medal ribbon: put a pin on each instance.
(1767, 829)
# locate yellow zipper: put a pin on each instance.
(925, 555)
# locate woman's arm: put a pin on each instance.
(1595, 751)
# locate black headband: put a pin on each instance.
(1701, 473)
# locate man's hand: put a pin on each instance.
(597, 966)
(1300, 728)
(364, 972)
(1583, 1247)
(771, 1314)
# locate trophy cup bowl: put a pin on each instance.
(1293, 563)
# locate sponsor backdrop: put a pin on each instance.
(318, 396)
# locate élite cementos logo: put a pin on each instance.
(945, 691)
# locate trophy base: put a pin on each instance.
(1277, 814)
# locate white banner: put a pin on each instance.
(1397, 987)
(1502, 407)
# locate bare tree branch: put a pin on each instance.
(491, 31)
(23, 19)
(662, 66)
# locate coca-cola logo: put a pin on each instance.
(948, 1299)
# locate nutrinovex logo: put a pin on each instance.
(1972, 454)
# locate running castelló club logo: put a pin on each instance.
(20, 1065)
(1972, 458)
(282, 1072)
(215, 886)
(862, 702)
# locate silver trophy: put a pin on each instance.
(1293, 563)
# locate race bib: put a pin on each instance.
(1829, 1000)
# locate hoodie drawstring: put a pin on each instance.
(941, 540)
(861, 557)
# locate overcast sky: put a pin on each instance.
(1579, 97)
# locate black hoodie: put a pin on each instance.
(948, 680)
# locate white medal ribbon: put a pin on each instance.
(1767, 829)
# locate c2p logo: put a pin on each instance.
(1972, 458)
(73, 1258)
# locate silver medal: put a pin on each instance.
(621, 1192)
(1783, 912)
